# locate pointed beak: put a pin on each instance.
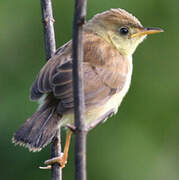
(147, 31)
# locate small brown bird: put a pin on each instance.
(110, 39)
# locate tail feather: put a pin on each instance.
(39, 129)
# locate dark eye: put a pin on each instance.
(124, 31)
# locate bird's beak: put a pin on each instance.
(147, 31)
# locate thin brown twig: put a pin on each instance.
(78, 86)
(48, 24)
(50, 49)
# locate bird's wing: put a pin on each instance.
(100, 81)
(58, 80)
(43, 82)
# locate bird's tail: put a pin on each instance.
(39, 129)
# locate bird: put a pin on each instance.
(110, 39)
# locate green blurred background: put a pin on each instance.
(141, 141)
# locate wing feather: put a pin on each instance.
(101, 80)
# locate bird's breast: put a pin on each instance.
(115, 101)
(112, 104)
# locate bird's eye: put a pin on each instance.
(124, 31)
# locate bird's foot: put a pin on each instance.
(61, 160)
(71, 128)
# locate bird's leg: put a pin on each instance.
(61, 160)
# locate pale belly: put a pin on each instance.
(95, 113)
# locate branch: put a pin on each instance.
(78, 86)
(50, 49)
(49, 34)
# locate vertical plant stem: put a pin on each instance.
(78, 86)
(48, 25)
(50, 49)
(56, 171)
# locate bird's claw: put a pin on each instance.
(45, 167)
(71, 127)
(61, 160)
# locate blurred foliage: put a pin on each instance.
(141, 141)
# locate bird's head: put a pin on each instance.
(121, 29)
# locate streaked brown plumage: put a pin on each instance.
(107, 74)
